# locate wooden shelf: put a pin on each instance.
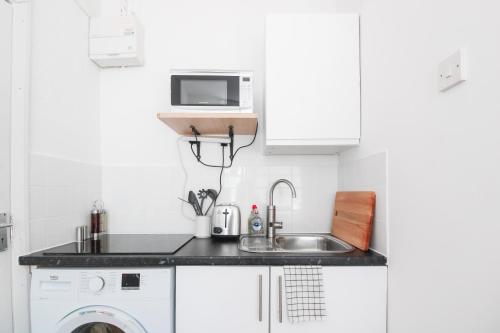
(210, 123)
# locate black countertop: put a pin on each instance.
(144, 253)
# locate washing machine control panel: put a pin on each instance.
(107, 284)
(113, 282)
(131, 281)
(96, 284)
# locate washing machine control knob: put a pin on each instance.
(96, 284)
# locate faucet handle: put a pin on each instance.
(278, 225)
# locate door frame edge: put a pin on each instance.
(20, 148)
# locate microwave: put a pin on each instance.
(211, 91)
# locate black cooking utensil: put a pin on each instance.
(212, 194)
(183, 200)
(202, 195)
(194, 202)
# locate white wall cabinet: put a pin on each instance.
(312, 101)
(222, 299)
(228, 299)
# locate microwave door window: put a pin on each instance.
(204, 92)
(209, 90)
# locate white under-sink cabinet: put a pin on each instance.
(355, 297)
(312, 88)
(228, 299)
(222, 299)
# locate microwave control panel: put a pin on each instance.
(246, 90)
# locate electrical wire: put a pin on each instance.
(220, 176)
(184, 171)
(248, 145)
(222, 166)
(205, 164)
(230, 158)
(220, 183)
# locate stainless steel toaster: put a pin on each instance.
(226, 221)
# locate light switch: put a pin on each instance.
(452, 71)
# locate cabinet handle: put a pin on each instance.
(260, 297)
(280, 298)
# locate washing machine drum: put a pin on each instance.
(98, 328)
(99, 319)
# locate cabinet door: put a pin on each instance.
(222, 299)
(312, 79)
(355, 302)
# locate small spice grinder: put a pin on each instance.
(98, 220)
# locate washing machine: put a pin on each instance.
(102, 300)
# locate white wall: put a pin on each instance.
(369, 174)
(443, 159)
(65, 132)
(142, 177)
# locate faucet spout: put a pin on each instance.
(279, 181)
(272, 224)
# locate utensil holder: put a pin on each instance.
(202, 229)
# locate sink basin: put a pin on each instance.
(295, 243)
(312, 243)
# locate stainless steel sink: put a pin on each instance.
(295, 243)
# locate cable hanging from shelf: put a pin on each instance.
(232, 152)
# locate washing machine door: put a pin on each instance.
(99, 319)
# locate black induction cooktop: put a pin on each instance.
(124, 245)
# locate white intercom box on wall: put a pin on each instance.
(116, 41)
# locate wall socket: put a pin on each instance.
(4, 236)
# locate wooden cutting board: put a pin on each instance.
(353, 218)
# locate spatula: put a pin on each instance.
(194, 202)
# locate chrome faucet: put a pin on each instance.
(272, 224)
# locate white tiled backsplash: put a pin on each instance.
(369, 174)
(61, 195)
(144, 198)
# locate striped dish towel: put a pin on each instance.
(305, 298)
